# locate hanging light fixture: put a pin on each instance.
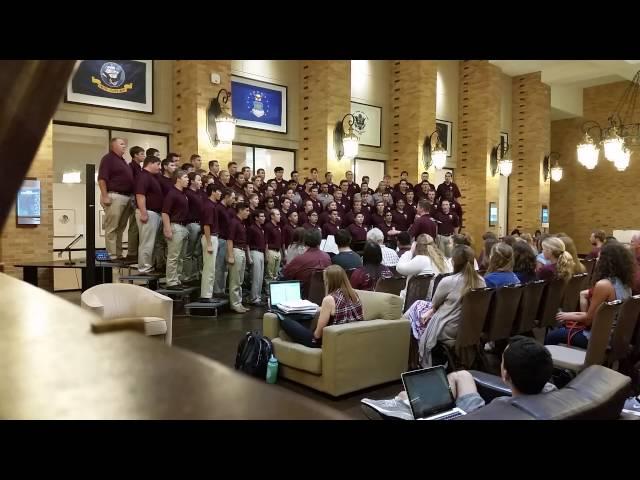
(345, 143)
(221, 126)
(434, 155)
(618, 137)
(501, 159)
(554, 173)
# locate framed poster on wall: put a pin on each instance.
(445, 133)
(493, 214)
(259, 105)
(119, 84)
(367, 123)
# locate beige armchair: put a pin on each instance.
(125, 302)
(353, 356)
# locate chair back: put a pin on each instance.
(590, 266)
(550, 303)
(601, 333)
(475, 307)
(316, 288)
(527, 312)
(502, 313)
(393, 285)
(436, 282)
(624, 328)
(571, 298)
(417, 289)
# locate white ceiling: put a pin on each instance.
(567, 78)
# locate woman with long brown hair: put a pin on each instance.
(340, 305)
(500, 271)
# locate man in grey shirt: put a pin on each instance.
(346, 258)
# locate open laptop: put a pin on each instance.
(284, 291)
(429, 394)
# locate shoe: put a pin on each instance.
(206, 300)
(240, 309)
(386, 408)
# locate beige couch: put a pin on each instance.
(353, 356)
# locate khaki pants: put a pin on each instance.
(193, 253)
(257, 274)
(236, 277)
(148, 232)
(273, 264)
(175, 253)
(208, 267)
(116, 217)
(133, 237)
(221, 271)
(445, 245)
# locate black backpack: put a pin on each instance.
(254, 352)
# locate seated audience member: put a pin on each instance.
(340, 305)
(404, 243)
(560, 261)
(524, 262)
(389, 257)
(515, 233)
(613, 279)
(509, 240)
(296, 247)
(529, 240)
(463, 239)
(635, 251)
(372, 269)
(570, 247)
(301, 267)
(596, 239)
(490, 240)
(424, 258)
(541, 261)
(500, 271)
(346, 258)
(526, 368)
(438, 320)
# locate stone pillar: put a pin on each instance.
(479, 131)
(531, 140)
(193, 92)
(413, 115)
(326, 99)
(30, 244)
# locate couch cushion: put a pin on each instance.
(567, 357)
(298, 356)
(152, 325)
(380, 306)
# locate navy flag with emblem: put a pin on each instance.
(115, 79)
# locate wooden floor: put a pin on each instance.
(218, 338)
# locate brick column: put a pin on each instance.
(531, 140)
(479, 132)
(193, 92)
(413, 110)
(30, 244)
(326, 98)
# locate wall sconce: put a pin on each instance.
(345, 144)
(500, 160)
(555, 172)
(221, 126)
(436, 156)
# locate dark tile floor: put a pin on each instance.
(217, 338)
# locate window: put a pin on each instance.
(262, 157)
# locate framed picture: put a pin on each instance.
(445, 132)
(28, 203)
(504, 138)
(64, 222)
(493, 214)
(119, 84)
(544, 216)
(259, 105)
(367, 123)
(101, 220)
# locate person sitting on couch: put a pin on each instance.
(526, 368)
(340, 305)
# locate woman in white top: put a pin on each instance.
(424, 258)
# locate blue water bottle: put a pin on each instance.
(272, 370)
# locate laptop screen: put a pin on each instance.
(428, 391)
(284, 291)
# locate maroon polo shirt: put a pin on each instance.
(635, 290)
(401, 220)
(281, 186)
(423, 224)
(166, 184)
(135, 169)
(176, 206)
(350, 218)
(302, 267)
(317, 206)
(447, 223)
(452, 187)
(273, 235)
(343, 207)
(329, 229)
(210, 216)
(224, 214)
(195, 205)
(287, 233)
(454, 208)
(309, 226)
(397, 195)
(148, 185)
(117, 173)
(358, 234)
(255, 237)
(410, 210)
(237, 233)
(385, 230)
(396, 187)
(302, 218)
(417, 189)
(352, 189)
(377, 220)
(332, 187)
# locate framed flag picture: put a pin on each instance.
(120, 84)
(259, 105)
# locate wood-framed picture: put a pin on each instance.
(445, 133)
(259, 105)
(493, 214)
(118, 84)
(367, 123)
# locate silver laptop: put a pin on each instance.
(429, 394)
(284, 291)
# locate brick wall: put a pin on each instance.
(603, 198)
(29, 244)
